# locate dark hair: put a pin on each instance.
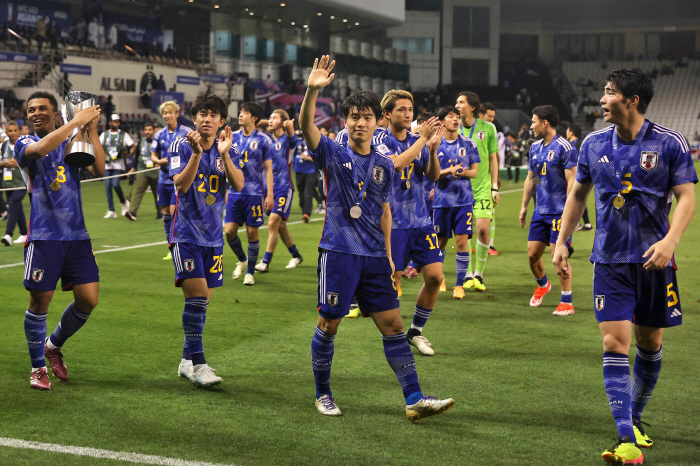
(547, 112)
(631, 82)
(255, 110)
(213, 103)
(362, 101)
(149, 124)
(472, 100)
(424, 116)
(45, 95)
(12, 123)
(485, 107)
(444, 111)
(576, 130)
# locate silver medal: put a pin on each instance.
(536, 180)
(355, 211)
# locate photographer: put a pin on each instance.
(118, 146)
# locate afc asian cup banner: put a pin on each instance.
(13, 56)
(28, 13)
(163, 96)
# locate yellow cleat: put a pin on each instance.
(479, 284)
(443, 286)
(398, 289)
(624, 452)
(642, 438)
(168, 257)
(458, 292)
(469, 284)
(354, 312)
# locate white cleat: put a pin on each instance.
(203, 376)
(262, 267)
(326, 406)
(422, 344)
(294, 261)
(125, 208)
(428, 406)
(110, 214)
(249, 279)
(6, 240)
(21, 239)
(240, 267)
(186, 370)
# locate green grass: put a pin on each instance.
(528, 385)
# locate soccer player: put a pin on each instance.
(12, 178)
(484, 186)
(145, 179)
(58, 245)
(198, 165)
(412, 231)
(246, 207)
(285, 143)
(453, 201)
(634, 166)
(573, 135)
(162, 140)
(305, 173)
(355, 248)
(118, 146)
(552, 174)
(487, 112)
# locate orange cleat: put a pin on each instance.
(305, 218)
(564, 309)
(493, 251)
(540, 291)
(40, 379)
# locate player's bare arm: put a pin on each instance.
(319, 78)
(386, 229)
(157, 160)
(288, 126)
(528, 191)
(432, 170)
(451, 171)
(660, 253)
(425, 132)
(233, 174)
(98, 168)
(183, 180)
(470, 172)
(269, 180)
(573, 211)
(494, 170)
(570, 174)
(51, 141)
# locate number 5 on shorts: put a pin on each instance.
(671, 294)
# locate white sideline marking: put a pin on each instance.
(103, 454)
(159, 243)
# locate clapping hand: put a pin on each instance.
(225, 141)
(194, 139)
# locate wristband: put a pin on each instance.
(494, 189)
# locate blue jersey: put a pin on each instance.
(341, 233)
(450, 191)
(160, 145)
(253, 150)
(342, 136)
(198, 212)
(56, 214)
(647, 176)
(282, 154)
(549, 164)
(408, 204)
(300, 165)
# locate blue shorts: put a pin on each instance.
(545, 228)
(342, 276)
(283, 202)
(459, 219)
(418, 244)
(629, 292)
(242, 209)
(71, 261)
(167, 194)
(193, 261)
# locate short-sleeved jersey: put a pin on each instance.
(282, 154)
(341, 233)
(253, 151)
(450, 191)
(55, 215)
(484, 137)
(197, 221)
(408, 204)
(663, 161)
(161, 144)
(300, 165)
(549, 163)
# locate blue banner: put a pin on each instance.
(193, 80)
(216, 79)
(28, 12)
(76, 69)
(11, 56)
(163, 96)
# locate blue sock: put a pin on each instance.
(542, 282)
(267, 258)
(567, 297)
(193, 318)
(321, 358)
(167, 225)
(462, 262)
(71, 321)
(294, 251)
(253, 250)
(35, 330)
(400, 358)
(237, 248)
(647, 366)
(618, 385)
(186, 351)
(420, 317)
(411, 264)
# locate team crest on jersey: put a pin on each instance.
(462, 151)
(650, 160)
(37, 275)
(480, 135)
(550, 156)
(332, 299)
(219, 164)
(253, 145)
(278, 145)
(378, 174)
(188, 265)
(383, 148)
(599, 302)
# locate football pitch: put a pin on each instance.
(528, 385)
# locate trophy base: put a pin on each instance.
(81, 155)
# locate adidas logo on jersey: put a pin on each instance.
(348, 165)
(676, 313)
(604, 159)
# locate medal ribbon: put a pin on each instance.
(461, 128)
(635, 150)
(355, 176)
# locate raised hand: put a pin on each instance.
(426, 129)
(289, 125)
(436, 139)
(194, 139)
(84, 116)
(321, 75)
(225, 141)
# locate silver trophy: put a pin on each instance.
(82, 153)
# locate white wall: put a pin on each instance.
(423, 67)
